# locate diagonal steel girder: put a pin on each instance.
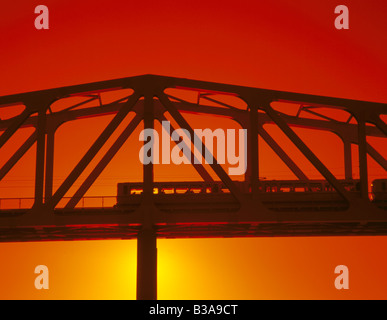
(93, 150)
(215, 166)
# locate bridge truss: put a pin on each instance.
(150, 100)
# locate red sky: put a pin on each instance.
(282, 45)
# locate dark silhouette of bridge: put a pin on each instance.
(249, 208)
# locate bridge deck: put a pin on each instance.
(174, 220)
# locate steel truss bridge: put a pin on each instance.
(247, 215)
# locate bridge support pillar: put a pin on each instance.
(147, 265)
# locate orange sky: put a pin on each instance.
(282, 45)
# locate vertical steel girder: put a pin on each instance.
(253, 148)
(49, 174)
(40, 157)
(348, 160)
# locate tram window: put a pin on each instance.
(285, 189)
(167, 190)
(315, 187)
(181, 190)
(384, 186)
(135, 191)
(299, 189)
